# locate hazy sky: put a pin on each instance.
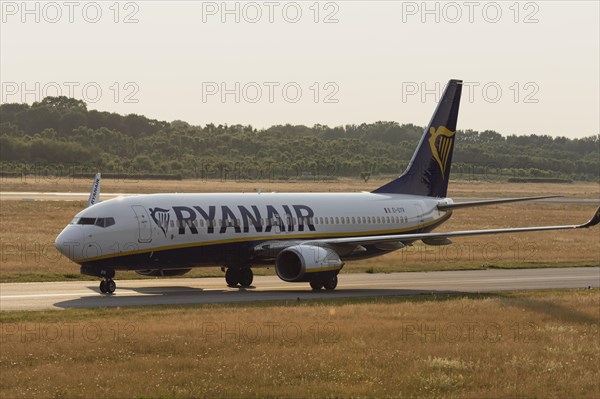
(532, 67)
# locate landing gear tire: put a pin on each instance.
(108, 286)
(331, 283)
(316, 285)
(232, 277)
(111, 286)
(246, 277)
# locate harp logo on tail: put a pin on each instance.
(161, 217)
(440, 142)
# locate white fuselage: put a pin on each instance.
(147, 227)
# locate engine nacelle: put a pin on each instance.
(437, 241)
(163, 272)
(305, 262)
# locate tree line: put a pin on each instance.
(62, 131)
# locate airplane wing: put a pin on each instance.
(270, 249)
(445, 235)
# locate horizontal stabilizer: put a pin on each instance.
(447, 207)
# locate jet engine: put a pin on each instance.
(306, 262)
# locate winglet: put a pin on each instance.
(95, 192)
(593, 221)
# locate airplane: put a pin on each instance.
(308, 237)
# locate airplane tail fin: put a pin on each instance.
(95, 191)
(428, 172)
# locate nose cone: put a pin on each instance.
(70, 242)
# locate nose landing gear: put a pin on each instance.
(108, 286)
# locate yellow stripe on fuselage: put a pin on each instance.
(278, 237)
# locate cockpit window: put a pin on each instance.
(100, 222)
(105, 222)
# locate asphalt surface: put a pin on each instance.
(85, 294)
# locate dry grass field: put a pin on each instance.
(536, 344)
(28, 229)
(459, 188)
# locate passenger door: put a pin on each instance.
(144, 225)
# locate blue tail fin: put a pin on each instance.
(428, 172)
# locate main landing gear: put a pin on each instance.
(239, 276)
(107, 286)
(329, 283)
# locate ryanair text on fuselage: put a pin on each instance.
(239, 219)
